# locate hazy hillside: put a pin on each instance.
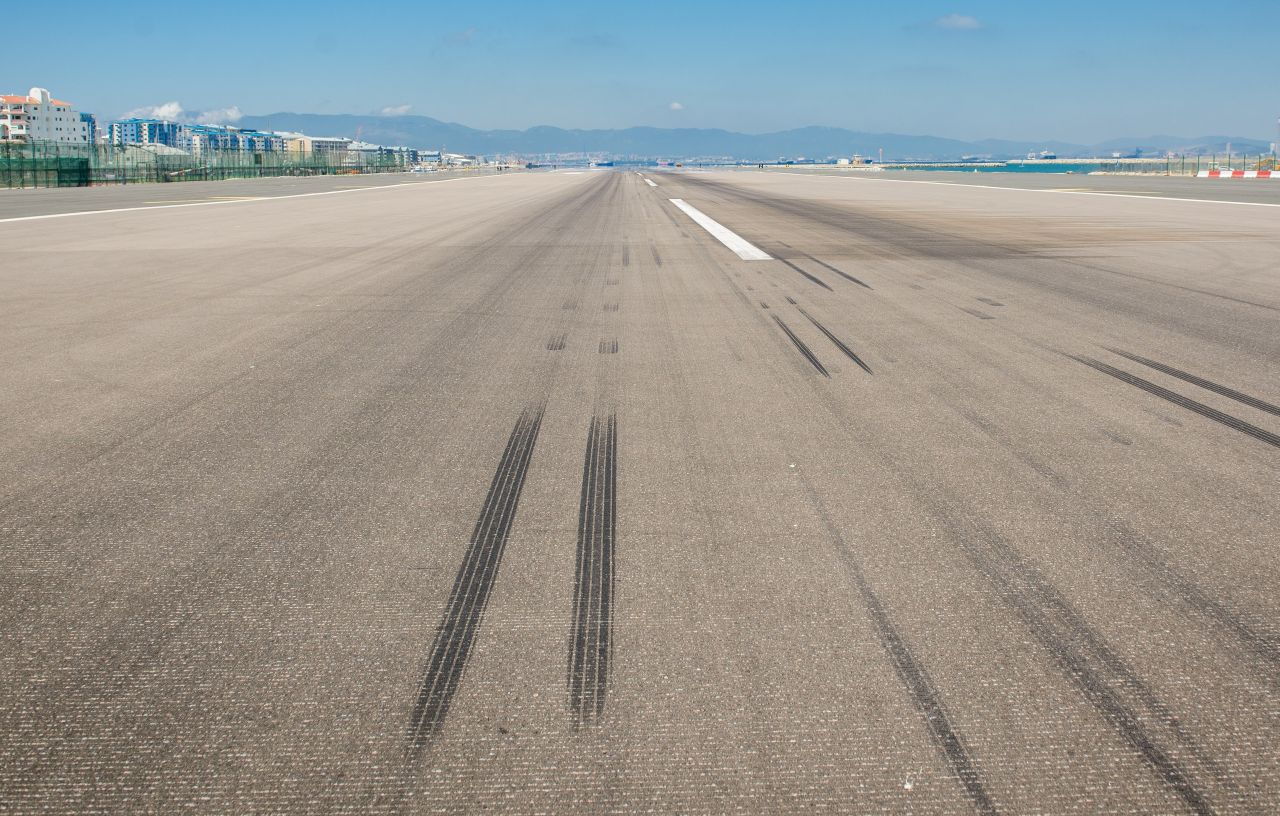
(649, 142)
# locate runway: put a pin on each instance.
(56, 202)
(1264, 192)
(539, 493)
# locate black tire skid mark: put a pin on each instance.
(839, 272)
(1097, 671)
(917, 242)
(811, 277)
(840, 344)
(463, 615)
(591, 645)
(1179, 400)
(804, 350)
(1164, 581)
(926, 698)
(911, 672)
(1103, 678)
(1208, 385)
(1171, 581)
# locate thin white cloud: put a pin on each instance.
(463, 37)
(958, 22)
(676, 106)
(221, 116)
(174, 112)
(395, 110)
(169, 111)
(454, 40)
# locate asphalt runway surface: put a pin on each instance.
(62, 200)
(1248, 191)
(526, 493)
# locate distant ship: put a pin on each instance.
(1043, 154)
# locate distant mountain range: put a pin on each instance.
(649, 142)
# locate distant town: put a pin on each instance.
(37, 116)
(46, 141)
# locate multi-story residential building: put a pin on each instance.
(214, 137)
(300, 143)
(39, 117)
(193, 139)
(262, 142)
(91, 126)
(13, 119)
(403, 156)
(197, 139)
(145, 131)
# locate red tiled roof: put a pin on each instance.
(30, 100)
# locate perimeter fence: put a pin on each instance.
(1183, 165)
(52, 164)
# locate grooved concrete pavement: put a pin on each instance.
(513, 493)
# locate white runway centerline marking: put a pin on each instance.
(745, 250)
(650, 183)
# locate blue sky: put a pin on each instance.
(1080, 71)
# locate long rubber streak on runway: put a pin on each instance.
(471, 589)
(591, 644)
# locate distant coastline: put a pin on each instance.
(639, 143)
(1176, 165)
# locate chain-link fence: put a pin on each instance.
(51, 164)
(1178, 165)
(1191, 165)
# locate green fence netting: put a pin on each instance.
(50, 164)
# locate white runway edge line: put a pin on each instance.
(724, 235)
(1027, 189)
(249, 200)
(650, 183)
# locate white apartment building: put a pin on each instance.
(39, 117)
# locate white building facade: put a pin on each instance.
(39, 117)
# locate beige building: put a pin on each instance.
(300, 143)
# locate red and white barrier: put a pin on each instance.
(1248, 174)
